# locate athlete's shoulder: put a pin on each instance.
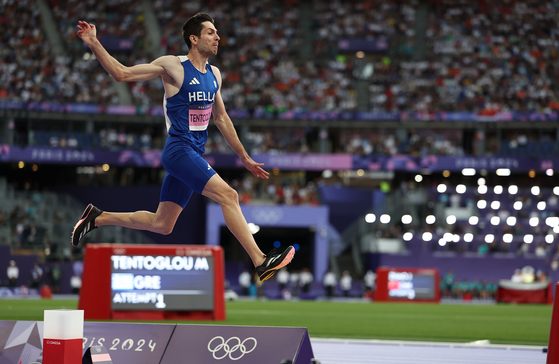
(216, 72)
(168, 60)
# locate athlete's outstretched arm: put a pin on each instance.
(225, 126)
(142, 72)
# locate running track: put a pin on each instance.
(339, 351)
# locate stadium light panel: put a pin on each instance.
(495, 220)
(498, 189)
(455, 238)
(481, 204)
(370, 218)
(406, 219)
(541, 205)
(528, 238)
(495, 205)
(481, 181)
(513, 189)
(430, 219)
(549, 238)
(534, 221)
(461, 189)
(447, 236)
(418, 178)
(489, 238)
(507, 238)
(556, 190)
(482, 190)
(427, 236)
(469, 172)
(511, 221)
(473, 220)
(451, 219)
(556, 229)
(517, 205)
(549, 172)
(552, 221)
(468, 237)
(385, 218)
(503, 172)
(407, 236)
(535, 190)
(441, 188)
(442, 242)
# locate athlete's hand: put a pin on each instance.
(256, 168)
(87, 32)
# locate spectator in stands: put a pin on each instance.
(36, 276)
(75, 283)
(369, 280)
(56, 277)
(448, 283)
(13, 274)
(245, 282)
(345, 283)
(517, 276)
(282, 278)
(329, 282)
(305, 280)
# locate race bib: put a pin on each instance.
(199, 117)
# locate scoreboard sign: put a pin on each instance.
(407, 284)
(172, 283)
(152, 282)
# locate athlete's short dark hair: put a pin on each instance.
(193, 26)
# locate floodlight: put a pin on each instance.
(427, 236)
(473, 220)
(498, 190)
(495, 220)
(441, 188)
(370, 218)
(541, 205)
(507, 238)
(385, 218)
(469, 172)
(430, 219)
(468, 237)
(549, 238)
(503, 172)
(511, 221)
(406, 219)
(528, 238)
(461, 189)
(517, 205)
(482, 189)
(407, 236)
(534, 221)
(481, 204)
(489, 238)
(513, 189)
(535, 190)
(451, 219)
(495, 205)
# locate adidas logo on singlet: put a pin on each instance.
(194, 82)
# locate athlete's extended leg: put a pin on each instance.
(228, 199)
(162, 221)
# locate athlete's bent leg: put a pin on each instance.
(162, 221)
(228, 199)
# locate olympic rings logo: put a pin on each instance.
(223, 349)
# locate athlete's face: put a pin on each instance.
(209, 40)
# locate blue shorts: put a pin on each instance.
(186, 170)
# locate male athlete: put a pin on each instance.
(192, 94)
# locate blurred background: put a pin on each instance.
(397, 133)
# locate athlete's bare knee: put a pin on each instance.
(163, 228)
(230, 196)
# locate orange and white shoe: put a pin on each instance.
(274, 261)
(86, 223)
